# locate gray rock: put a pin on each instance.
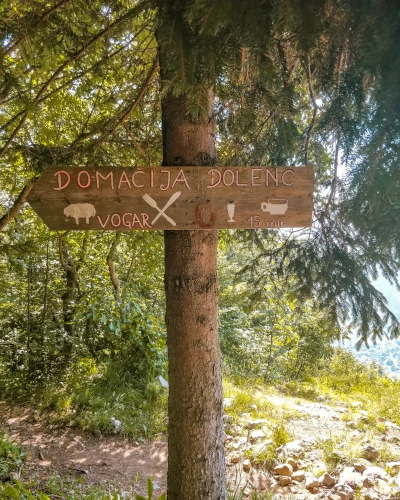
(382, 487)
(311, 481)
(350, 477)
(256, 434)
(228, 419)
(246, 465)
(327, 480)
(376, 472)
(284, 480)
(370, 453)
(298, 475)
(343, 491)
(253, 424)
(284, 470)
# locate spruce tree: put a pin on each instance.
(294, 83)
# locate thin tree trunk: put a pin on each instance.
(196, 462)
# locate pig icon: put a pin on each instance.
(80, 211)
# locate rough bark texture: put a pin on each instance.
(196, 462)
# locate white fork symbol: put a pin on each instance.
(148, 199)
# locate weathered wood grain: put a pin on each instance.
(132, 199)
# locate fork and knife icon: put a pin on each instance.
(161, 211)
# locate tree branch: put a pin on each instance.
(314, 116)
(335, 178)
(132, 137)
(110, 263)
(61, 68)
(45, 16)
(18, 204)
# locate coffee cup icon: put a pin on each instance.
(275, 206)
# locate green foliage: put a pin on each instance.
(150, 491)
(12, 458)
(268, 334)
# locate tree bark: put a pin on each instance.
(196, 462)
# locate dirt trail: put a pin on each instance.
(105, 460)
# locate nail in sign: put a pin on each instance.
(174, 198)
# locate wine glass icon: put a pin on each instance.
(231, 211)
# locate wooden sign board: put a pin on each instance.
(174, 198)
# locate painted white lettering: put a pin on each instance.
(79, 181)
(163, 187)
(232, 177)
(274, 177)
(290, 171)
(122, 179)
(125, 222)
(103, 224)
(61, 186)
(255, 177)
(181, 178)
(151, 178)
(214, 172)
(237, 180)
(133, 179)
(114, 218)
(136, 219)
(100, 176)
(145, 218)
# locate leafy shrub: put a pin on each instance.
(12, 458)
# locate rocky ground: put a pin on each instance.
(336, 453)
(331, 451)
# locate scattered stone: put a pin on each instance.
(363, 413)
(228, 402)
(393, 465)
(311, 481)
(298, 475)
(333, 496)
(359, 467)
(256, 434)
(350, 477)
(235, 458)
(343, 491)
(284, 480)
(293, 449)
(393, 439)
(246, 465)
(382, 487)
(363, 463)
(253, 424)
(375, 471)
(356, 404)
(338, 455)
(370, 453)
(163, 382)
(368, 482)
(291, 461)
(371, 495)
(327, 480)
(253, 407)
(228, 419)
(284, 470)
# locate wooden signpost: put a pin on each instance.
(174, 198)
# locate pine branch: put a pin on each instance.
(43, 18)
(18, 204)
(335, 178)
(81, 52)
(314, 116)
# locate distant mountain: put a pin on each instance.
(387, 352)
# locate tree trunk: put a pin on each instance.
(196, 462)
